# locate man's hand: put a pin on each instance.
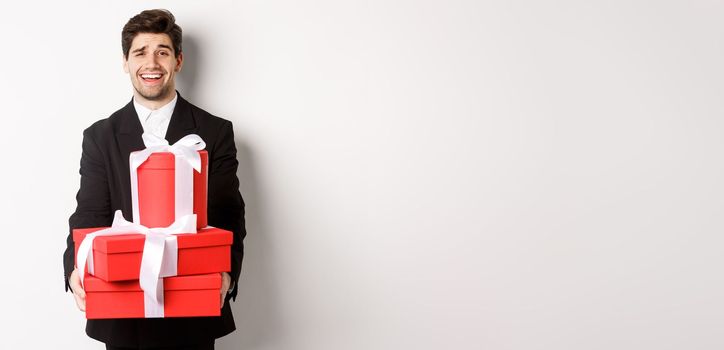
(225, 283)
(78, 292)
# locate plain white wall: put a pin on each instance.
(418, 174)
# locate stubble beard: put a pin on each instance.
(152, 94)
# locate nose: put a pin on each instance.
(152, 61)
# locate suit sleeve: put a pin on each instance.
(93, 199)
(225, 204)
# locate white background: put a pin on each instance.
(418, 174)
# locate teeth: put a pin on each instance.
(150, 76)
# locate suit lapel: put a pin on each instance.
(128, 138)
(182, 121)
(129, 131)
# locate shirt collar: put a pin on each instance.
(166, 110)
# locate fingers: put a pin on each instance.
(78, 292)
(74, 282)
(223, 296)
(224, 290)
(225, 282)
(80, 302)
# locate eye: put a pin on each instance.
(163, 53)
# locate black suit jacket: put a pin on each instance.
(105, 187)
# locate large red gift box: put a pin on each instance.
(184, 296)
(156, 190)
(118, 258)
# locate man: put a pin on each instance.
(152, 57)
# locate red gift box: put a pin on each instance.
(118, 258)
(184, 296)
(156, 190)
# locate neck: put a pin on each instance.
(154, 104)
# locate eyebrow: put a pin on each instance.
(143, 48)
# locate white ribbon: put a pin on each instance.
(187, 160)
(160, 255)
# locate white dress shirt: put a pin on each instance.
(155, 121)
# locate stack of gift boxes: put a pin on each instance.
(187, 275)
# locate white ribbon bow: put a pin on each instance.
(187, 160)
(160, 255)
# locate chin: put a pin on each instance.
(153, 95)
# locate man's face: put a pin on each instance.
(152, 66)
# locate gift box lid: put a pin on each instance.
(205, 237)
(193, 282)
(167, 160)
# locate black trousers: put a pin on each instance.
(208, 346)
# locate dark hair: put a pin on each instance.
(151, 21)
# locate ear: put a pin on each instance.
(125, 63)
(179, 62)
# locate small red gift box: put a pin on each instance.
(156, 190)
(118, 258)
(184, 296)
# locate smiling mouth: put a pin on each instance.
(151, 77)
